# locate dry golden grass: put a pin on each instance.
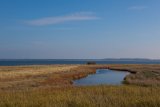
(22, 77)
(144, 75)
(51, 86)
(22, 71)
(94, 96)
(29, 76)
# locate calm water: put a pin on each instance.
(103, 76)
(71, 61)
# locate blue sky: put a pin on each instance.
(78, 29)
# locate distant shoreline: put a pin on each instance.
(18, 62)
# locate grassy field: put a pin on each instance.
(94, 96)
(51, 86)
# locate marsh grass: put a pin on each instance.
(22, 77)
(51, 86)
(24, 71)
(93, 96)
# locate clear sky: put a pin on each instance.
(78, 29)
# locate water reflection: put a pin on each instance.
(103, 76)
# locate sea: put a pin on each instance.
(18, 62)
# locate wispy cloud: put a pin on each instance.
(137, 7)
(81, 16)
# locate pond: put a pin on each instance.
(102, 76)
